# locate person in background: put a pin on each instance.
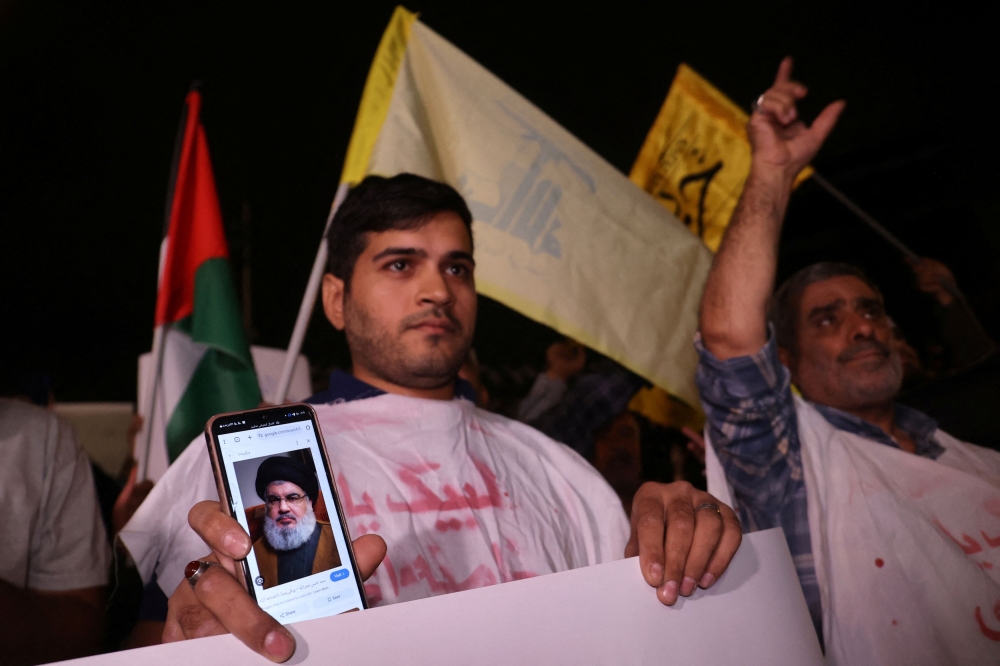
(890, 520)
(586, 408)
(632, 450)
(962, 340)
(564, 360)
(571, 400)
(965, 340)
(618, 456)
(959, 370)
(54, 554)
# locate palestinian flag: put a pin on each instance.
(205, 366)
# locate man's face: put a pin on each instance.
(286, 504)
(411, 310)
(618, 452)
(847, 357)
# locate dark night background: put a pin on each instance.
(91, 92)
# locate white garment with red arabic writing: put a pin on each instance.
(464, 498)
(907, 549)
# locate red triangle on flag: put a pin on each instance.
(195, 232)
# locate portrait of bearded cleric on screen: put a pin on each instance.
(294, 539)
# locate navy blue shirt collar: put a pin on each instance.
(345, 387)
(917, 424)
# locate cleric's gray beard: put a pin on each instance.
(290, 538)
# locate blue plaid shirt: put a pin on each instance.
(572, 415)
(754, 429)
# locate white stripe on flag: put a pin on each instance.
(181, 356)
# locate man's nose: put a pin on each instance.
(863, 328)
(434, 288)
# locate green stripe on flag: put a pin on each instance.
(225, 380)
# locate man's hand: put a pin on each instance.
(733, 319)
(681, 546)
(934, 278)
(218, 604)
(777, 135)
(565, 359)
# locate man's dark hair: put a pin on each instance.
(783, 309)
(379, 204)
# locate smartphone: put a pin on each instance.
(274, 478)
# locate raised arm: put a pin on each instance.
(734, 304)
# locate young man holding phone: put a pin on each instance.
(463, 497)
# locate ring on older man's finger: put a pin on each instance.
(757, 103)
(709, 505)
(195, 569)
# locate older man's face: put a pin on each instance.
(847, 356)
(286, 503)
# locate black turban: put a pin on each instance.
(283, 468)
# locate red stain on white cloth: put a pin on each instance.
(992, 634)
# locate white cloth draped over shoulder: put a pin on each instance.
(907, 549)
(463, 498)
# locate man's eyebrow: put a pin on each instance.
(399, 251)
(829, 308)
(461, 254)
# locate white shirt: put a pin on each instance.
(463, 498)
(53, 537)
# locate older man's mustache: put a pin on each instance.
(863, 347)
(415, 320)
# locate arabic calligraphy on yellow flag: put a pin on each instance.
(696, 156)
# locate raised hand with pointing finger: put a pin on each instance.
(777, 134)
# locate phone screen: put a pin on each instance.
(280, 490)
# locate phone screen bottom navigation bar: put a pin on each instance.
(328, 604)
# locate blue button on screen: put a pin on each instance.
(340, 574)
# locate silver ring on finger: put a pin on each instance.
(195, 569)
(709, 505)
(757, 103)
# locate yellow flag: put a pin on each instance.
(561, 236)
(696, 156)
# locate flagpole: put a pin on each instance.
(878, 228)
(148, 410)
(868, 219)
(159, 332)
(308, 301)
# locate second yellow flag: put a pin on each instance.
(696, 156)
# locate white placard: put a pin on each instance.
(604, 614)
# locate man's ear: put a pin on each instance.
(333, 300)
